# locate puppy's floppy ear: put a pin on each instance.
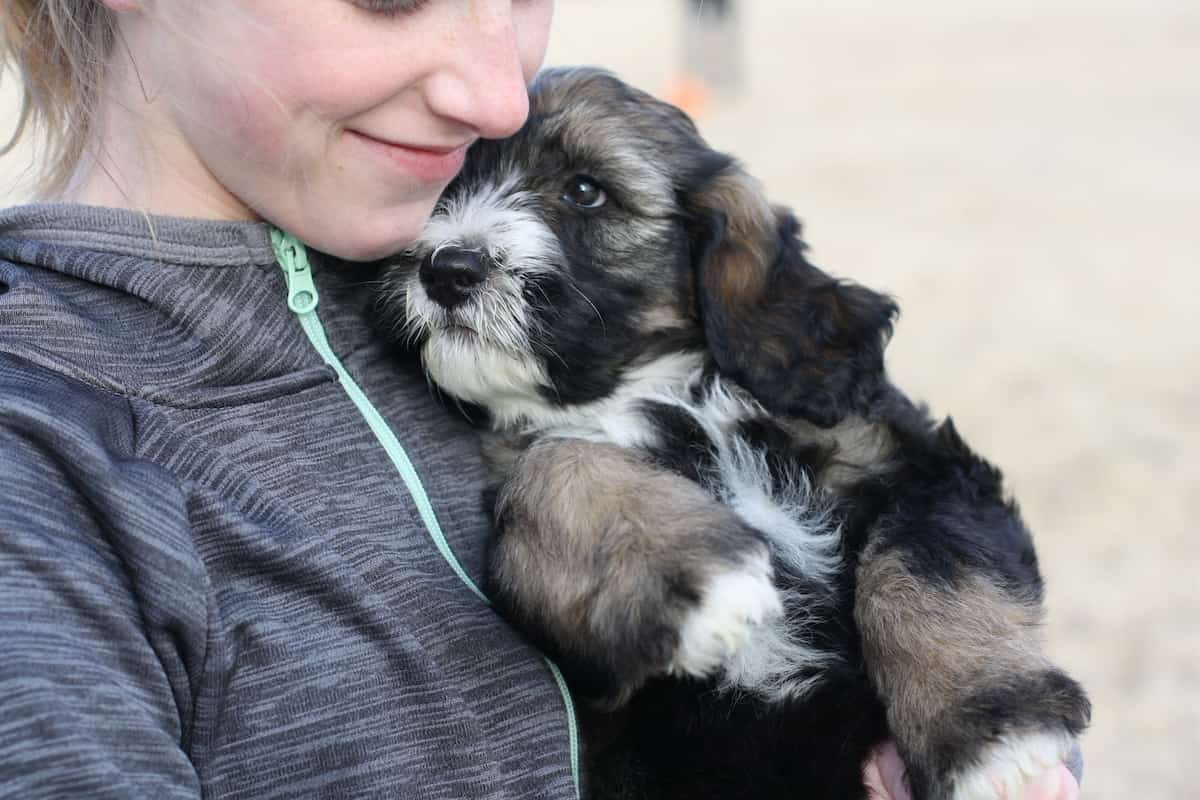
(803, 343)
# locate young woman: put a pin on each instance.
(239, 544)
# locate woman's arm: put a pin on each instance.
(103, 614)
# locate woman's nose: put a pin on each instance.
(483, 83)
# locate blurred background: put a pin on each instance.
(1024, 176)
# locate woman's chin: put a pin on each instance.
(370, 235)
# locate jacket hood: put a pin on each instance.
(178, 311)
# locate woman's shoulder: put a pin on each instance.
(73, 484)
(42, 400)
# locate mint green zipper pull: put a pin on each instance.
(302, 294)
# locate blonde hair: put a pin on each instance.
(58, 49)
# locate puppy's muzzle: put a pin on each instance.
(451, 274)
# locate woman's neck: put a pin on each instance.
(137, 158)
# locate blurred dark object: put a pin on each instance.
(712, 63)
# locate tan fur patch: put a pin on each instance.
(928, 647)
(861, 448)
(661, 316)
(596, 538)
(739, 267)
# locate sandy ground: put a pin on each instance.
(1025, 177)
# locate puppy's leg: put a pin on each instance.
(624, 571)
(975, 706)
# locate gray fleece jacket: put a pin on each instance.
(213, 580)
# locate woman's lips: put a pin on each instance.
(425, 163)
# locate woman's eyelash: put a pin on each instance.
(391, 7)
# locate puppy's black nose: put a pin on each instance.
(450, 274)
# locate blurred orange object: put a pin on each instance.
(689, 94)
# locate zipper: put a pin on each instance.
(302, 299)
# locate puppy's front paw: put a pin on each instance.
(734, 603)
(1006, 766)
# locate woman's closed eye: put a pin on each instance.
(390, 7)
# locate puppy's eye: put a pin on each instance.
(583, 192)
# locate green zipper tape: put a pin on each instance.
(302, 298)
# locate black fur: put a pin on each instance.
(829, 335)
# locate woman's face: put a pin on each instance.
(340, 121)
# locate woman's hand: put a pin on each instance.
(883, 775)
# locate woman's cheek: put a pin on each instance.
(532, 22)
(234, 115)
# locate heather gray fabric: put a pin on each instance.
(212, 580)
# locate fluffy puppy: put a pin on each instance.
(750, 552)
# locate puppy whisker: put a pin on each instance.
(588, 300)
